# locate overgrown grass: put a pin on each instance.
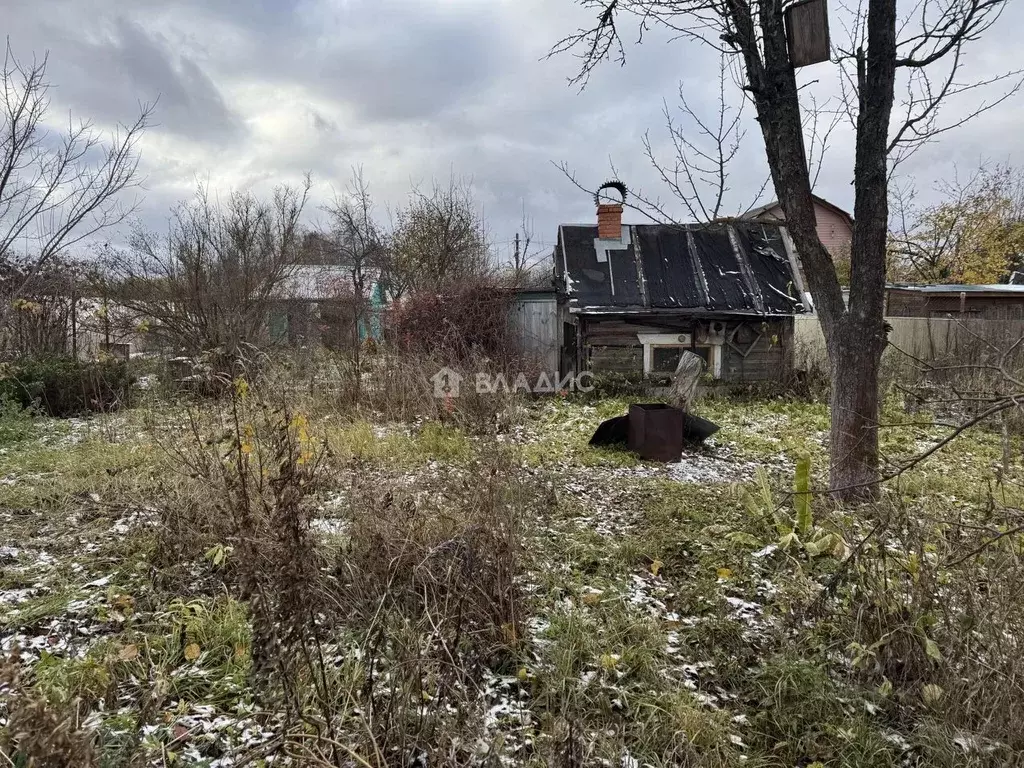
(431, 441)
(484, 598)
(16, 423)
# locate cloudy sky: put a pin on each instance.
(412, 90)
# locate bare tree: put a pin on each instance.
(703, 152)
(209, 284)
(57, 190)
(438, 238)
(357, 243)
(698, 174)
(527, 263)
(927, 48)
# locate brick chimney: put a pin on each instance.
(609, 221)
(609, 210)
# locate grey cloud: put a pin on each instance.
(412, 90)
(394, 61)
(105, 70)
(321, 123)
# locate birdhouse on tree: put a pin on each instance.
(807, 32)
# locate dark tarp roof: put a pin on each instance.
(738, 267)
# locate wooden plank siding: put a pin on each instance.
(807, 32)
(627, 360)
(833, 228)
(537, 320)
(617, 333)
(611, 344)
(767, 361)
(973, 304)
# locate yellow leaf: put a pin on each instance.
(129, 653)
(724, 573)
(510, 634)
(656, 566)
(124, 603)
(192, 651)
(609, 660)
(932, 694)
(523, 674)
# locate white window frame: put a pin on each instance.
(682, 340)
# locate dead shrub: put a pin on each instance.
(374, 645)
(936, 617)
(395, 386)
(467, 321)
(431, 580)
(249, 512)
(980, 362)
(447, 555)
(39, 733)
(402, 388)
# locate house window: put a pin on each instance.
(665, 359)
(663, 350)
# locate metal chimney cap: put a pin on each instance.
(615, 184)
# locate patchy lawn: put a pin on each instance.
(508, 599)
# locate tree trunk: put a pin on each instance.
(854, 335)
(857, 352)
(854, 405)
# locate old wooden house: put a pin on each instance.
(631, 298)
(990, 302)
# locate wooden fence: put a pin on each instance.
(928, 339)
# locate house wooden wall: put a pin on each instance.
(988, 306)
(905, 304)
(760, 351)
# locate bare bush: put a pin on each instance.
(936, 616)
(978, 373)
(396, 386)
(425, 581)
(40, 303)
(209, 285)
(438, 239)
(38, 732)
(252, 518)
(432, 580)
(468, 319)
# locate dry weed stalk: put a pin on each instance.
(38, 733)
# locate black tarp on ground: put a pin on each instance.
(734, 267)
(615, 431)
